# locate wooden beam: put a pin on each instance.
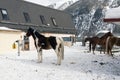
(111, 19)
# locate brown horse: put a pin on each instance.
(111, 41)
(103, 39)
(93, 41)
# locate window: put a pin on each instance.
(26, 43)
(43, 19)
(27, 17)
(54, 21)
(4, 14)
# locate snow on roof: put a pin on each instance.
(8, 29)
(113, 13)
(103, 31)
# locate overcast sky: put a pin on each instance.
(45, 2)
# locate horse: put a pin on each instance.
(42, 42)
(93, 41)
(103, 40)
(111, 41)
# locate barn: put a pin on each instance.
(16, 16)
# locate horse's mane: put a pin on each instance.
(38, 34)
(106, 35)
(91, 38)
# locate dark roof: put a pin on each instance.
(16, 8)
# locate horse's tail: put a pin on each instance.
(62, 48)
(107, 45)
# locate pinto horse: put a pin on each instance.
(111, 41)
(93, 41)
(42, 42)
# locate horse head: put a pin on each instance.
(29, 32)
(110, 34)
(107, 35)
(87, 39)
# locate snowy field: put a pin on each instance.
(79, 64)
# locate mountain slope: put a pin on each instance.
(63, 4)
(88, 16)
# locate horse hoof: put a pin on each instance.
(58, 64)
(39, 61)
(112, 56)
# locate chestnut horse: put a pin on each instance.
(93, 41)
(111, 41)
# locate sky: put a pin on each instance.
(45, 2)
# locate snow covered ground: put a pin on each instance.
(79, 64)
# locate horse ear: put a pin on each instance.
(30, 28)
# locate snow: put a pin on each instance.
(62, 4)
(113, 13)
(56, 4)
(102, 31)
(79, 64)
(41, 2)
(7, 29)
(48, 2)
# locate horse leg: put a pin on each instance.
(39, 50)
(104, 49)
(109, 48)
(60, 53)
(58, 57)
(61, 46)
(90, 46)
(110, 51)
(100, 49)
(93, 48)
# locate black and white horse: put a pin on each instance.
(42, 42)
